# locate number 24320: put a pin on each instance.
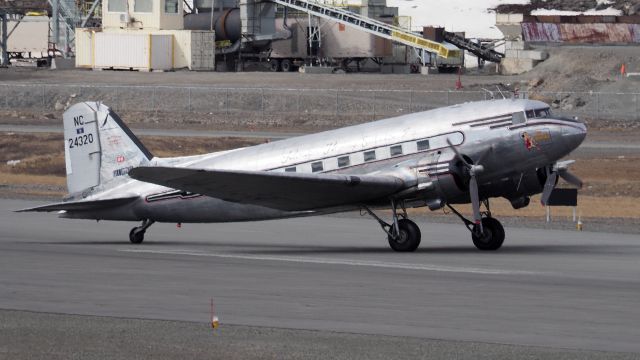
(80, 140)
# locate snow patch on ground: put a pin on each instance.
(608, 11)
(472, 17)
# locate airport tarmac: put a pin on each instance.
(545, 294)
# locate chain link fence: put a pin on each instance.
(315, 107)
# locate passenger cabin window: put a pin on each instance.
(518, 118)
(290, 169)
(316, 166)
(396, 150)
(344, 161)
(143, 6)
(117, 5)
(369, 155)
(423, 145)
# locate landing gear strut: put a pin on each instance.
(136, 235)
(487, 237)
(403, 234)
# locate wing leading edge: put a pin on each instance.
(282, 191)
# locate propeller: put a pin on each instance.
(558, 169)
(474, 170)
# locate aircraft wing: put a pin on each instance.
(283, 191)
(82, 205)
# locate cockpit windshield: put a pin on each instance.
(539, 113)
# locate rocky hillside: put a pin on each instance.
(628, 7)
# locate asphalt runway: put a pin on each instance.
(546, 288)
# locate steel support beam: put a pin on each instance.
(4, 19)
(93, 9)
(55, 17)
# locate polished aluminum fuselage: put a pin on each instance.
(479, 130)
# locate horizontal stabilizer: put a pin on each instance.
(81, 205)
(277, 190)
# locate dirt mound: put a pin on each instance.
(585, 68)
(628, 7)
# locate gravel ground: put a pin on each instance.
(30, 335)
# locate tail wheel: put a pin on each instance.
(492, 237)
(408, 238)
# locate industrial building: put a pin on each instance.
(227, 34)
(280, 35)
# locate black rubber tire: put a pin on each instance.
(135, 236)
(409, 239)
(493, 235)
(274, 65)
(286, 65)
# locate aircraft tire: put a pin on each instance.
(409, 238)
(136, 236)
(493, 235)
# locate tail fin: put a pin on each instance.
(99, 147)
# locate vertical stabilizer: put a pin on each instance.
(99, 147)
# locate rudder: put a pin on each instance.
(99, 147)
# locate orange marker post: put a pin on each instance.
(214, 319)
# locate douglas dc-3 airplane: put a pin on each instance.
(464, 153)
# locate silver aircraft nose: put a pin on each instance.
(573, 135)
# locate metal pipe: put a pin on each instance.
(226, 23)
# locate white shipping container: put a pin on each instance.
(31, 34)
(84, 53)
(133, 51)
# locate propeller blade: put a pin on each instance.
(549, 185)
(475, 201)
(571, 179)
(458, 154)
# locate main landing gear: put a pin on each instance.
(136, 235)
(403, 234)
(489, 234)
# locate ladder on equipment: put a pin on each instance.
(371, 26)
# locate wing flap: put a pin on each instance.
(283, 191)
(81, 205)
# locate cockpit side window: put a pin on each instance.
(542, 113)
(518, 118)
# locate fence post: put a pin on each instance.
(262, 103)
(226, 104)
(375, 100)
(411, 101)
(153, 99)
(189, 100)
